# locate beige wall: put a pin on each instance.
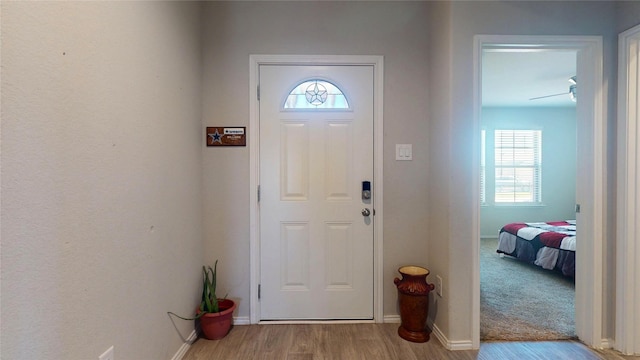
(108, 190)
(101, 178)
(428, 102)
(627, 15)
(234, 30)
(439, 167)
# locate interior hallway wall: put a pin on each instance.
(102, 151)
(101, 177)
(235, 30)
(627, 15)
(441, 101)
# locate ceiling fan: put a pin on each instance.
(572, 91)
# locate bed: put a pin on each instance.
(550, 245)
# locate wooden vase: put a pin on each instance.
(413, 298)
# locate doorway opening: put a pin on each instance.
(528, 177)
(589, 171)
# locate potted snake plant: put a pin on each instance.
(214, 314)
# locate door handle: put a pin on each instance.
(366, 212)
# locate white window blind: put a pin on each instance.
(518, 159)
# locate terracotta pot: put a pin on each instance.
(215, 326)
(413, 298)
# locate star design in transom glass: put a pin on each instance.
(316, 94)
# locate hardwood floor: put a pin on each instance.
(369, 341)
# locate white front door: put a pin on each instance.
(316, 241)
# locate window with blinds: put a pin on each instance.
(518, 159)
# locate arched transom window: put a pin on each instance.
(316, 94)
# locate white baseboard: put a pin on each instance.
(607, 343)
(193, 336)
(185, 347)
(243, 320)
(448, 344)
(435, 331)
(460, 345)
(391, 319)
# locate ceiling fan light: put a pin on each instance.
(573, 89)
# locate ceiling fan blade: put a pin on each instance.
(546, 96)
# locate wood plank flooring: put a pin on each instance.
(370, 342)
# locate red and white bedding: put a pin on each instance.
(550, 245)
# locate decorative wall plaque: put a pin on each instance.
(226, 136)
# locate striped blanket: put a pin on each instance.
(550, 245)
(553, 234)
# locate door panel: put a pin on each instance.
(294, 155)
(316, 247)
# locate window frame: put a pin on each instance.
(320, 107)
(532, 138)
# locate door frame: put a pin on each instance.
(628, 232)
(590, 188)
(254, 163)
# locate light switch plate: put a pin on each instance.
(404, 152)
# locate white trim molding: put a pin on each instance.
(241, 320)
(445, 342)
(391, 319)
(607, 343)
(254, 163)
(185, 346)
(591, 174)
(628, 214)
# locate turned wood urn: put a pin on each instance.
(413, 298)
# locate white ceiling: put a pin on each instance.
(512, 77)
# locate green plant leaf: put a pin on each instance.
(212, 282)
(206, 291)
(209, 301)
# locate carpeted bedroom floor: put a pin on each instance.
(520, 302)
